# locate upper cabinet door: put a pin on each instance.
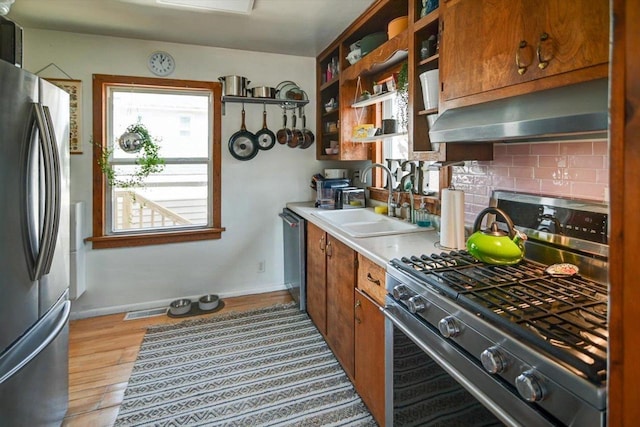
(495, 44)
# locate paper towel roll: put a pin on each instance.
(452, 219)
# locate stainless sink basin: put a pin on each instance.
(367, 223)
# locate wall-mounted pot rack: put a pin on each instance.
(287, 104)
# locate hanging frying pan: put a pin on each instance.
(309, 137)
(266, 138)
(284, 134)
(296, 135)
(243, 145)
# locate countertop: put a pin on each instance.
(379, 249)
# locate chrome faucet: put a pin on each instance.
(390, 183)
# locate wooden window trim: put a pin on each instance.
(102, 240)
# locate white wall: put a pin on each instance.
(253, 192)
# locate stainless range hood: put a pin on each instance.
(578, 111)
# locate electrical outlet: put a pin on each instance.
(261, 266)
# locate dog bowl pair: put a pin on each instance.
(183, 305)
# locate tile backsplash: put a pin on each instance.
(568, 169)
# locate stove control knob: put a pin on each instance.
(448, 327)
(400, 292)
(529, 386)
(416, 304)
(493, 360)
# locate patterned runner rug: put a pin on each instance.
(264, 367)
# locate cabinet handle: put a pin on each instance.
(358, 304)
(522, 68)
(542, 63)
(322, 244)
(329, 251)
(371, 279)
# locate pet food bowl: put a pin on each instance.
(180, 306)
(208, 302)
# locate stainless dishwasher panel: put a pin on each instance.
(293, 237)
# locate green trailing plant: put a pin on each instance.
(148, 160)
(402, 97)
(403, 78)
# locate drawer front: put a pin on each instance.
(371, 279)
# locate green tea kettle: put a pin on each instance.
(495, 246)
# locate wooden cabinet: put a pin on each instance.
(331, 276)
(350, 320)
(341, 278)
(317, 277)
(369, 354)
(421, 148)
(497, 48)
(371, 279)
(371, 67)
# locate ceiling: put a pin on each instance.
(293, 27)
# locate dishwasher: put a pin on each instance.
(294, 242)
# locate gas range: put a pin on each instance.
(530, 346)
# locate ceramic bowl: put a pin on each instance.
(180, 306)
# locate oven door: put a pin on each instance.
(430, 381)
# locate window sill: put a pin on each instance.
(147, 239)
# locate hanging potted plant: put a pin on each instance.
(136, 139)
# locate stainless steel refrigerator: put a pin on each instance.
(34, 249)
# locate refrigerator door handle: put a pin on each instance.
(53, 191)
(43, 232)
(34, 342)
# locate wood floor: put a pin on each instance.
(102, 351)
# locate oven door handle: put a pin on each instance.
(446, 365)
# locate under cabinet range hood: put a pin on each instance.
(578, 111)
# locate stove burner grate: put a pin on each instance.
(566, 317)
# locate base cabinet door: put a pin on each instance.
(316, 277)
(341, 277)
(369, 354)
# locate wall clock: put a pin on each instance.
(161, 63)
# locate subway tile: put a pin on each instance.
(601, 147)
(545, 148)
(499, 150)
(577, 148)
(552, 161)
(550, 173)
(498, 170)
(519, 149)
(602, 176)
(555, 187)
(582, 174)
(521, 172)
(589, 191)
(503, 183)
(528, 185)
(525, 160)
(593, 162)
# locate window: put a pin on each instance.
(180, 203)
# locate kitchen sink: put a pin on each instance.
(367, 223)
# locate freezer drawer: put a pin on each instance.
(34, 373)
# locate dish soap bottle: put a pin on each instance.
(422, 215)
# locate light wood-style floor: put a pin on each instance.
(102, 351)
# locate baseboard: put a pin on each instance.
(75, 315)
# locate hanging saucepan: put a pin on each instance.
(243, 144)
(284, 135)
(266, 138)
(297, 137)
(309, 137)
